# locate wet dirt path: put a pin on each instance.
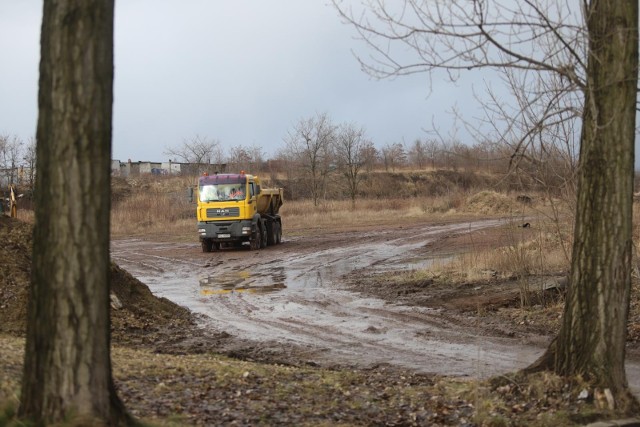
(290, 295)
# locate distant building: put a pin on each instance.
(131, 169)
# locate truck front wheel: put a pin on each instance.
(209, 245)
(255, 242)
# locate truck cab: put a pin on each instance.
(233, 209)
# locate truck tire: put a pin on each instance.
(271, 232)
(263, 241)
(255, 242)
(278, 228)
(207, 245)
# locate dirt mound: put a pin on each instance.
(490, 202)
(137, 316)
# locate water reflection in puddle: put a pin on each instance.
(241, 289)
(243, 281)
(324, 268)
(310, 272)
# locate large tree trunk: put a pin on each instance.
(67, 370)
(591, 341)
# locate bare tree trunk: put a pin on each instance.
(591, 341)
(67, 370)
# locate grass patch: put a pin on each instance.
(521, 253)
(191, 389)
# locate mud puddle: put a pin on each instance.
(289, 294)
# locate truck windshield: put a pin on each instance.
(220, 192)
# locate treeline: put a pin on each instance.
(322, 159)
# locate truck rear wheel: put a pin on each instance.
(263, 240)
(278, 228)
(271, 232)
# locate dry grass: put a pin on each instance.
(153, 205)
(26, 215)
(491, 203)
(153, 213)
(336, 214)
(538, 253)
(207, 389)
(303, 215)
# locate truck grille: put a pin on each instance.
(222, 212)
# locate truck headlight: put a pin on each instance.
(202, 231)
(246, 230)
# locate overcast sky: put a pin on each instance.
(242, 72)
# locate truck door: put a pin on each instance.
(253, 196)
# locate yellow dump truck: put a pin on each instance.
(234, 208)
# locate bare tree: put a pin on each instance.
(418, 154)
(349, 148)
(432, 147)
(30, 161)
(219, 157)
(311, 141)
(590, 54)
(67, 363)
(291, 169)
(5, 165)
(256, 153)
(370, 155)
(393, 156)
(197, 150)
(239, 158)
(540, 129)
(245, 158)
(10, 149)
(591, 342)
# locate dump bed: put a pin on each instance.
(270, 200)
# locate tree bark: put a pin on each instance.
(591, 340)
(67, 369)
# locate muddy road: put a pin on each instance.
(291, 299)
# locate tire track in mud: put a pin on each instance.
(370, 339)
(141, 253)
(437, 320)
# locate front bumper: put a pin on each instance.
(225, 231)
